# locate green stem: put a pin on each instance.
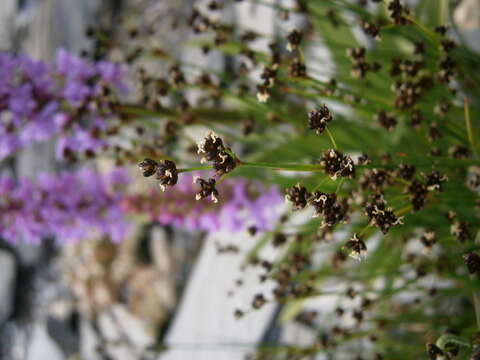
(286, 167)
(468, 123)
(206, 167)
(331, 138)
(320, 184)
(404, 210)
(403, 181)
(429, 33)
(339, 187)
(364, 230)
(300, 53)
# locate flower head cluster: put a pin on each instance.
(356, 248)
(213, 150)
(428, 239)
(71, 98)
(337, 164)
(418, 190)
(360, 66)
(380, 215)
(329, 207)
(294, 39)
(318, 119)
(298, 196)
(472, 260)
(207, 188)
(69, 207)
(243, 204)
(165, 170)
(370, 29)
(398, 12)
(386, 120)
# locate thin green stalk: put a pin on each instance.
(404, 210)
(320, 184)
(403, 181)
(468, 123)
(301, 55)
(430, 34)
(364, 230)
(206, 167)
(339, 187)
(331, 138)
(286, 167)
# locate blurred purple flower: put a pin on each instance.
(34, 97)
(242, 204)
(69, 206)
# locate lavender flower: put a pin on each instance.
(242, 204)
(69, 206)
(39, 101)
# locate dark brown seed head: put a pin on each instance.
(298, 196)
(148, 167)
(318, 119)
(207, 188)
(294, 39)
(167, 173)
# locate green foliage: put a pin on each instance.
(282, 141)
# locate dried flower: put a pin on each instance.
(207, 188)
(398, 12)
(148, 167)
(461, 230)
(167, 173)
(297, 68)
(337, 164)
(472, 260)
(258, 301)
(263, 94)
(213, 150)
(269, 76)
(294, 39)
(418, 193)
(298, 196)
(379, 215)
(434, 181)
(238, 314)
(405, 171)
(459, 152)
(318, 119)
(327, 206)
(386, 120)
(356, 248)
(279, 239)
(428, 239)
(370, 29)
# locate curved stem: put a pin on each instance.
(404, 210)
(206, 167)
(331, 138)
(364, 230)
(339, 187)
(286, 167)
(321, 183)
(468, 123)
